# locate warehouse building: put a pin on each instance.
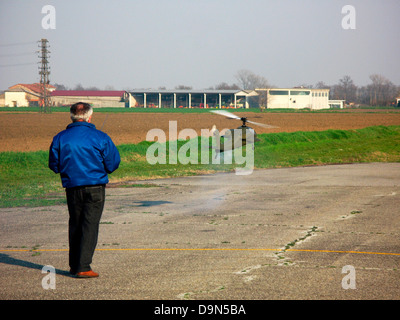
(193, 98)
(296, 98)
(97, 98)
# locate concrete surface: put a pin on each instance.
(275, 234)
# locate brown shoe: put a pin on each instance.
(87, 274)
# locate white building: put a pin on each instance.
(336, 104)
(24, 95)
(297, 98)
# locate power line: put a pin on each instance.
(16, 54)
(16, 44)
(17, 64)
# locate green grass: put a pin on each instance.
(26, 180)
(128, 110)
(373, 144)
(199, 110)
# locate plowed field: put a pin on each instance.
(34, 131)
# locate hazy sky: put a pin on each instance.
(199, 43)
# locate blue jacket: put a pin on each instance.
(83, 155)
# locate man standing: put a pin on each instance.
(83, 156)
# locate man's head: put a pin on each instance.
(81, 111)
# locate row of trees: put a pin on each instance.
(380, 92)
(79, 87)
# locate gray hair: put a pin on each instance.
(81, 111)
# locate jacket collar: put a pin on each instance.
(81, 123)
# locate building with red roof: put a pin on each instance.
(24, 95)
(28, 95)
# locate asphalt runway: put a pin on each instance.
(325, 232)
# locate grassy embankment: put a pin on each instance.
(25, 179)
(365, 109)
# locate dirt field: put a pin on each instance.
(34, 131)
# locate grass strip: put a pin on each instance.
(363, 109)
(26, 180)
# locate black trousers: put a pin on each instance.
(85, 206)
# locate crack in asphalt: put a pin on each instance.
(282, 260)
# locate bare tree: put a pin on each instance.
(363, 95)
(225, 86)
(60, 86)
(345, 90)
(92, 88)
(183, 87)
(304, 85)
(321, 85)
(381, 91)
(79, 87)
(250, 81)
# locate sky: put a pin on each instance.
(136, 44)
